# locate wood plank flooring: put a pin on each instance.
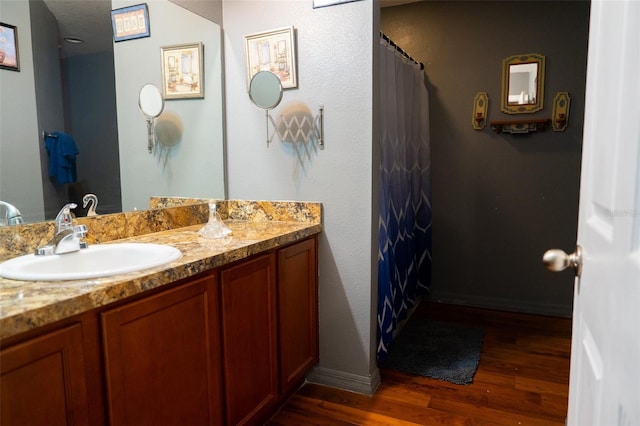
(522, 379)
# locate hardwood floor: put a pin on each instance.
(522, 379)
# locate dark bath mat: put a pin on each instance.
(438, 350)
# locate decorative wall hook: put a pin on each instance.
(560, 114)
(480, 108)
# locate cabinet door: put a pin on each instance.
(297, 312)
(43, 380)
(249, 339)
(161, 358)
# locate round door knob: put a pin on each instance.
(558, 260)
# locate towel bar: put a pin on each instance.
(46, 135)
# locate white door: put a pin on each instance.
(605, 360)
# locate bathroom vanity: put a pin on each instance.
(222, 335)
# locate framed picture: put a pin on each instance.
(183, 71)
(9, 47)
(273, 51)
(130, 22)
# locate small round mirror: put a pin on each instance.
(151, 104)
(265, 90)
(150, 101)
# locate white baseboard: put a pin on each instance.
(502, 304)
(366, 385)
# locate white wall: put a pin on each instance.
(335, 62)
(19, 139)
(196, 166)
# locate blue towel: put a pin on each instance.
(62, 152)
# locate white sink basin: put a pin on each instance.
(96, 261)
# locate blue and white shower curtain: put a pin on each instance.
(404, 255)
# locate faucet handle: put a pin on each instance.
(81, 232)
(64, 220)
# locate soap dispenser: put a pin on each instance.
(215, 227)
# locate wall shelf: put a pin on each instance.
(520, 126)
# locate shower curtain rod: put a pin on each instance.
(399, 49)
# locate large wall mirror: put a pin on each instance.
(523, 83)
(90, 91)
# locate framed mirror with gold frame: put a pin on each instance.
(523, 83)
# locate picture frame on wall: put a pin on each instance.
(130, 22)
(273, 51)
(183, 71)
(9, 58)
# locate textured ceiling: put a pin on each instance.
(88, 20)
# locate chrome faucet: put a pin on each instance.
(68, 238)
(13, 215)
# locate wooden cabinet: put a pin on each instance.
(248, 297)
(44, 381)
(269, 328)
(297, 312)
(202, 352)
(162, 362)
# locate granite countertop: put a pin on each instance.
(26, 305)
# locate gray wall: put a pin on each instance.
(499, 200)
(92, 120)
(49, 96)
(19, 141)
(335, 69)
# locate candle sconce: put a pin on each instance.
(560, 114)
(480, 108)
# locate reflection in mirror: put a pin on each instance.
(11, 216)
(193, 168)
(265, 91)
(151, 104)
(522, 83)
(90, 91)
(150, 101)
(58, 89)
